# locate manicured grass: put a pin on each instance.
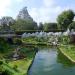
(20, 67)
(68, 51)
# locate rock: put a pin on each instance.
(23, 14)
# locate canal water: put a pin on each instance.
(50, 61)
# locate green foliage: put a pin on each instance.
(35, 40)
(7, 20)
(6, 23)
(3, 45)
(15, 67)
(65, 19)
(6, 72)
(72, 25)
(50, 26)
(64, 39)
(17, 41)
(24, 25)
(18, 67)
(1, 62)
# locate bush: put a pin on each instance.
(64, 39)
(17, 41)
(3, 45)
(1, 62)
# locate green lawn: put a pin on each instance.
(20, 67)
(69, 51)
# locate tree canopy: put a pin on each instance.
(65, 19)
(24, 25)
(72, 25)
(6, 22)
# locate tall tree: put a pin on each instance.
(24, 25)
(65, 19)
(6, 22)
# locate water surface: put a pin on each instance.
(49, 61)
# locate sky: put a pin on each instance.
(40, 10)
